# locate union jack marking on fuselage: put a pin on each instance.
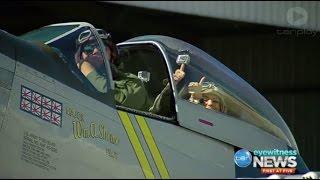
(41, 106)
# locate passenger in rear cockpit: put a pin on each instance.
(206, 95)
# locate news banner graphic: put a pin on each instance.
(269, 161)
(41, 106)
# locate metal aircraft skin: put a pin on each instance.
(53, 125)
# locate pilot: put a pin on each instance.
(207, 96)
(129, 90)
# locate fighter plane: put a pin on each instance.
(55, 124)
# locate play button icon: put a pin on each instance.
(297, 16)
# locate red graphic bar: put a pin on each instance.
(278, 170)
(206, 122)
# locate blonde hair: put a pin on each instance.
(210, 91)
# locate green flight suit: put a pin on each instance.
(163, 104)
(129, 90)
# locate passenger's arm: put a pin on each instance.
(195, 91)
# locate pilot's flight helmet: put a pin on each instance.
(87, 43)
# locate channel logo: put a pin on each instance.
(242, 158)
(297, 16)
(273, 161)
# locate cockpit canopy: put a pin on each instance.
(241, 99)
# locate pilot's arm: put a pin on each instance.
(97, 80)
(129, 90)
(179, 74)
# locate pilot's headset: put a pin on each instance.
(114, 54)
(107, 40)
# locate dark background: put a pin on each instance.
(283, 68)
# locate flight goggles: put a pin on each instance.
(88, 42)
(85, 35)
(103, 34)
